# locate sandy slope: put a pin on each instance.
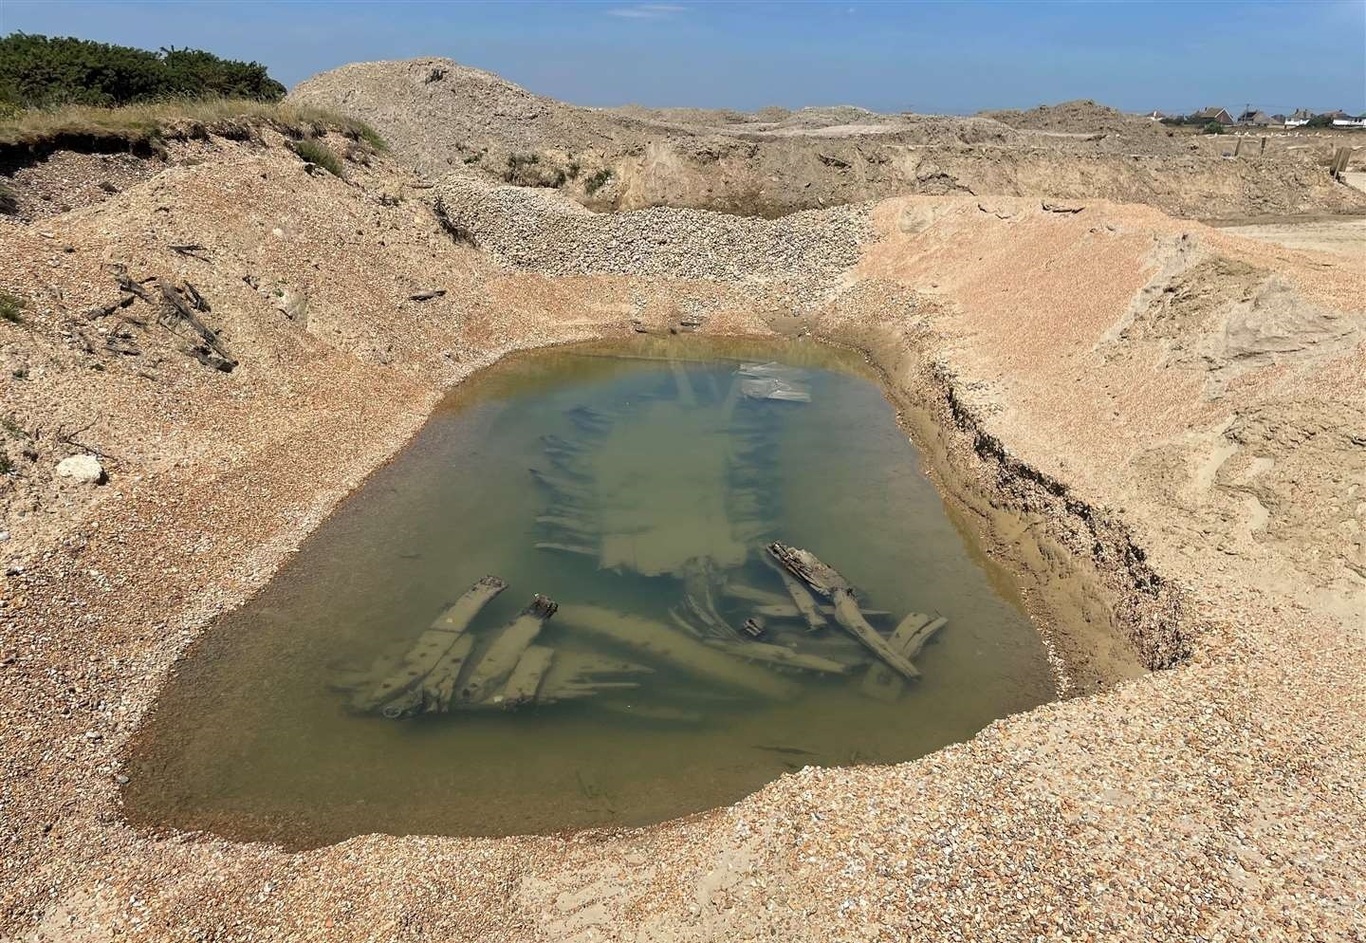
(1174, 411)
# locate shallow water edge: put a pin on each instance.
(1072, 601)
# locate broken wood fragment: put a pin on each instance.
(828, 582)
(1061, 208)
(432, 645)
(659, 641)
(427, 294)
(780, 655)
(802, 599)
(183, 304)
(506, 649)
(526, 678)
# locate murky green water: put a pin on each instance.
(663, 481)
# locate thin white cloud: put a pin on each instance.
(647, 11)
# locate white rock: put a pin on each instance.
(83, 468)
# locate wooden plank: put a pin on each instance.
(659, 641)
(828, 582)
(526, 678)
(802, 599)
(917, 641)
(850, 618)
(432, 645)
(781, 655)
(906, 628)
(506, 650)
(438, 688)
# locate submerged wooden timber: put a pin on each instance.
(828, 582)
(610, 485)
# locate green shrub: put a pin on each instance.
(597, 181)
(316, 152)
(1212, 127)
(11, 308)
(42, 71)
(526, 170)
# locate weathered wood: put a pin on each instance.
(526, 678)
(659, 641)
(566, 521)
(438, 688)
(780, 655)
(909, 638)
(432, 645)
(905, 629)
(183, 308)
(850, 618)
(579, 549)
(506, 650)
(457, 617)
(828, 582)
(756, 595)
(787, 610)
(802, 599)
(917, 641)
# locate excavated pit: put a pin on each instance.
(662, 469)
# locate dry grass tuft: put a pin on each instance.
(177, 119)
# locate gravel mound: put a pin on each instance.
(543, 232)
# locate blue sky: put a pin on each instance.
(956, 57)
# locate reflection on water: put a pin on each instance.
(637, 493)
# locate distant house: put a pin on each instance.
(1299, 119)
(1156, 115)
(1278, 120)
(1256, 118)
(1212, 113)
(1359, 121)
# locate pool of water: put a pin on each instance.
(636, 487)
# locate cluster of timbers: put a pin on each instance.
(678, 485)
(814, 624)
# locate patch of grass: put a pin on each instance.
(595, 182)
(11, 426)
(176, 119)
(316, 152)
(11, 308)
(526, 170)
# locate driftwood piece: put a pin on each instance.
(802, 599)
(1061, 207)
(183, 304)
(427, 294)
(506, 650)
(526, 678)
(780, 655)
(432, 645)
(828, 582)
(659, 641)
(193, 249)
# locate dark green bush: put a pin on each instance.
(1212, 127)
(42, 71)
(597, 181)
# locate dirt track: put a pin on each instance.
(1172, 406)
